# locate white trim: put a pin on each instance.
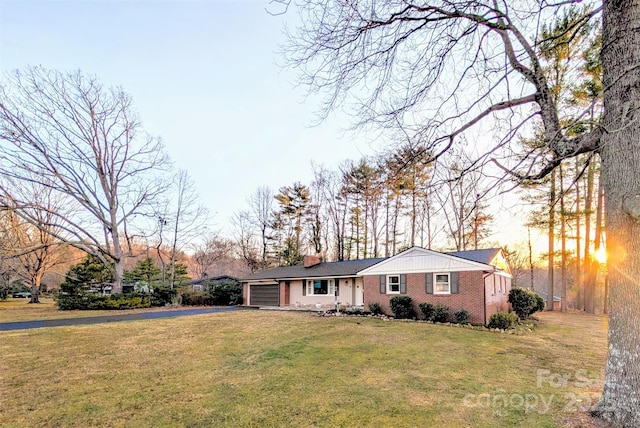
(388, 284)
(267, 282)
(449, 263)
(331, 287)
(435, 274)
(315, 277)
(503, 273)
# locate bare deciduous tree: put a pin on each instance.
(64, 131)
(181, 220)
(461, 194)
(517, 261)
(245, 240)
(335, 202)
(32, 245)
(261, 203)
(208, 252)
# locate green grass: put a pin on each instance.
(274, 369)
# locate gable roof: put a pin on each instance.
(414, 259)
(326, 269)
(485, 256)
(418, 259)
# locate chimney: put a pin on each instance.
(311, 261)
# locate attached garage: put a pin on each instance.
(264, 295)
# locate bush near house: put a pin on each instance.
(375, 308)
(402, 307)
(92, 301)
(461, 316)
(435, 313)
(427, 310)
(441, 313)
(503, 320)
(78, 299)
(525, 302)
(354, 310)
(163, 295)
(224, 293)
(196, 298)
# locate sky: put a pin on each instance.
(204, 77)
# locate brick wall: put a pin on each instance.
(469, 297)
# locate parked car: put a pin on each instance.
(21, 295)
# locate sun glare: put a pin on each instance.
(601, 255)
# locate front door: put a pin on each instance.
(358, 298)
(287, 293)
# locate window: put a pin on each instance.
(442, 285)
(393, 284)
(321, 287)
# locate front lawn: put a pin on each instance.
(276, 369)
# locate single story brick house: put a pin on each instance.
(478, 281)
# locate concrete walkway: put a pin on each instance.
(26, 325)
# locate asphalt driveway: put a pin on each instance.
(25, 325)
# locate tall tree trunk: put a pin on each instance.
(620, 152)
(343, 233)
(531, 267)
(578, 281)
(394, 229)
(35, 289)
(365, 235)
(428, 214)
(590, 266)
(413, 215)
(461, 230)
(599, 242)
(118, 262)
(386, 222)
(552, 239)
(563, 245)
(174, 250)
(118, 276)
(357, 224)
(162, 222)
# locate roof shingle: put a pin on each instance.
(328, 269)
(352, 267)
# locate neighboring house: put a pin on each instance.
(199, 283)
(557, 301)
(478, 281)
